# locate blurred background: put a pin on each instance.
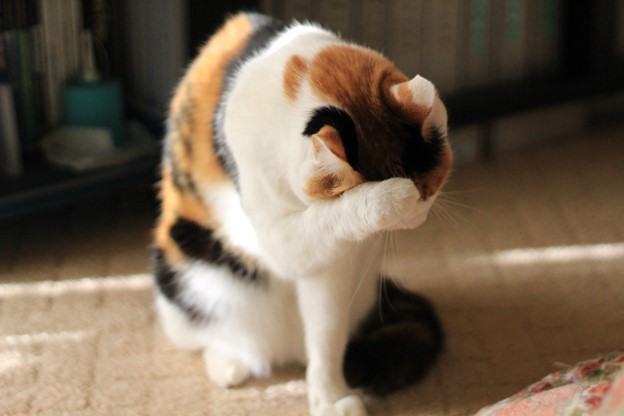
(512, 73)
(523, 254)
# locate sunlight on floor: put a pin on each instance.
(84, 285)
(555, 254)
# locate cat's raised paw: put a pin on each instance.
(395, 203)
(347, 406)
(223, 370)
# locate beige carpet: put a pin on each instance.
(525, 263)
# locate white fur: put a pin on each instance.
(422, 90)
(313, 248)
(250, 325)
(424, 93)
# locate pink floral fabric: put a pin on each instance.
(589, 388)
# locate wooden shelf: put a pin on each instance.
(44, 185)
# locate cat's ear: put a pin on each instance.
(330, 174)
(418, 102)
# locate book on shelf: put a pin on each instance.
(335, 15)
(619, 30)
(105, 19)
(403, 42)
(40, 53)
(19, 31)
(152, 72)
(299, 10)
(509, 40)
(438, 60)
(10, 147)
(61, 23)
(543, 35)
(372, 25)
(473, 44)
(10, 152)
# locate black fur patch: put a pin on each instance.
(167, 284)
(199, 243)
(165, 277)
(421, 156)
(396, 344)
(266, 29)
(343, 123)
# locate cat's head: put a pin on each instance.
(373, 124)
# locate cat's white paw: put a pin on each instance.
(347, 406)
(223, 370)
(394, 204)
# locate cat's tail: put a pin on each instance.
(396, 344)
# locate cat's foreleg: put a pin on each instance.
(323, 302)
(354, 216)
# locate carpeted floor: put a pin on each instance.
(524, 260)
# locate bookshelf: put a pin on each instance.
(513, 97)
(49, 35)
(490, 59)
(580, 56)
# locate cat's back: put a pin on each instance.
(194, 165)
(194, 108)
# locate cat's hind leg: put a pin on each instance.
(177, 327)
(225, 370)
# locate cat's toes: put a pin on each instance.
(225, 371)
(347, 406)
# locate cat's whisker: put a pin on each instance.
(449, 200)
(383, 294)
(367, 267)
(390, 247)
(387, 250)
(468, 191)
(394, 243)
(452, 212)
(446, 214)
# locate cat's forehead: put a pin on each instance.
(353, 77)
(343, 75)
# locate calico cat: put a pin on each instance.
(290, 155)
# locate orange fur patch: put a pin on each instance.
(175, 204)
(344, 74)
(294, 74)
(200, 91)
(190, 137)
